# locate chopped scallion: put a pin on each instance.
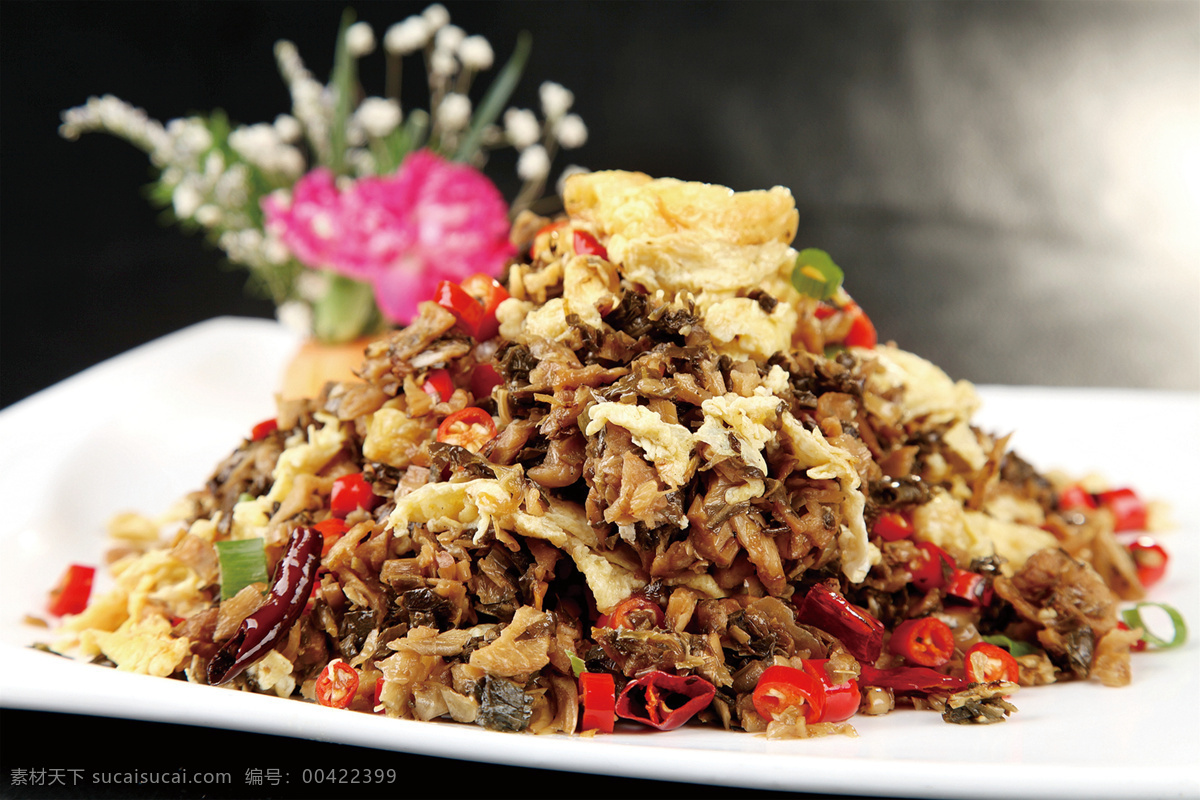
(578, 665)
(243, 562)
(815, 274)
(1133, 618)
(1014, 646)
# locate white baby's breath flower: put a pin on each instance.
(254, 142)
(533, 164)
(214, 164)
(288, 128)
(378, 116)
(475, 53)
(521, 127)
(360, 39)
(436, 16)
(571, 132)
(296, 317)
(454, 112)
(189, 138)
(208, 215)
(274, 250)
(186, 198)
(442, 63)
(407, 36)
(449, 38)
(556, 100)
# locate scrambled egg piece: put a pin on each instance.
(824, 461)
(931, 398)
(746, 418)
(668, 445)
(969, 535)
(146, 647)
(273, 672)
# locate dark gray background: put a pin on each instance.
(1013, 188)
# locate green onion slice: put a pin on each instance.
(578, 666)
(816, 275)
(1014, 646)
(243, 562)
(1133, 618)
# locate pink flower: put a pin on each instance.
(432, 220)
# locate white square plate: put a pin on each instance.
(143, 429)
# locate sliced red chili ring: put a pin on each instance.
(841, 699)
(664, 701)
(331, 530)
(985, 663)
(470, 427)
(337, 684)
(484, 378)
(466, 309)
(927, 642)
(781, 687)
(635, 611)
(488, 292)
(862, 330)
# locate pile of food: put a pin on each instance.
(661, 472)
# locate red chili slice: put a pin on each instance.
(471, 428)
(351, 492)
(488, 292)
(331, 530)
(1129, 512)
(664, 701)
(927, 642)
(466, 309)
(969, 587)
(264, 429)
(635, 611)
(862, 330)
(439, 384)
(985, 662)
(782, 687)
(910, 680)
(1075, 497)
(588, 245)
(484, 378)
(841, 699)
(932, 568)
(71, 594)
(892, 526)
(859, 632)
(337, 684)
(598, 695)
(1150, 558)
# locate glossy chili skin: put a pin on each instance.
(910, 680)
(295, 576)
(828, 610)
(664, 701)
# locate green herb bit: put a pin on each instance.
(816, 275)
(243, 562)
(1017, 648)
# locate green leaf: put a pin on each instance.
(346, 312)
(243, 562)
(344, 80)
(1014, 646)
(815, 274)
(496, 98)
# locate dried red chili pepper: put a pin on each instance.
(910, 680)
(828, 610)
(664, 701)
(295, 576)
